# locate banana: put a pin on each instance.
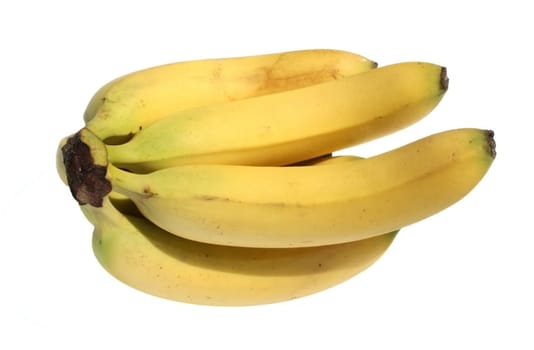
(145, 257)
(290, 126)
(304, 206)
(125, 205)
(132, 102)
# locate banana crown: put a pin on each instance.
(85, 165)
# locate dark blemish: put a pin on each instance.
(210, 198)
(147, 192)
(87, 181)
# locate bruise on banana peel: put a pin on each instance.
(86, 177)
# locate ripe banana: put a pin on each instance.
(132, 102)
(126, 206)
(305, 206)
(145, 257)
(291, 126)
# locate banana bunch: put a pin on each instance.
(214, 181)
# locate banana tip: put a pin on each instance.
(444, 79)
(492, 146)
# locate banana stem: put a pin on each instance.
(86, 177)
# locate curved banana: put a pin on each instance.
(290, 126)
(145, 257)
(132, 102)
(311, 205)
(127, 206)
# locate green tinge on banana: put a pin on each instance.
(151, 260)
(311, 205)
(291, 126)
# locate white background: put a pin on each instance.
(459, 280)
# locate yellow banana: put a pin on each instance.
(290, 126)
(134, 101)
(311, 205)
(145, 257)
(126, 206)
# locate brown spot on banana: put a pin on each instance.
(147, 192)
